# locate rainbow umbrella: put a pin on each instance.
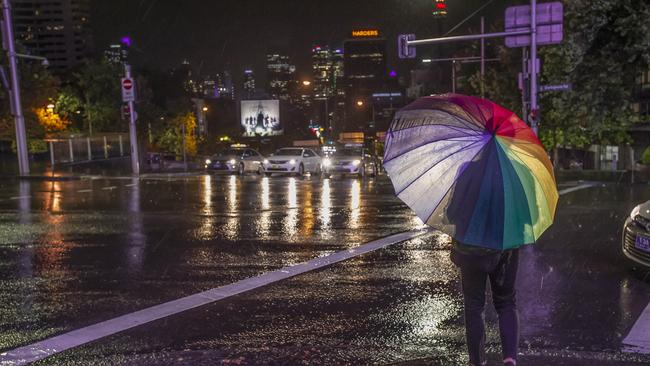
(472, 169)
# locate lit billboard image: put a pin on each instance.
(261, 118)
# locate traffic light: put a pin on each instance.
(439, 8)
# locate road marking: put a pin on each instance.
(84, 190)
(131, 185)
(109, 188)
(75, 338)
(577, 188)
(638, 340)
(19, 197)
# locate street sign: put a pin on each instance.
(128, 90)
(558, 87)
(550, 18)
(403, 49)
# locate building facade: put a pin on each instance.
(248, 91)
(280, 74)
(56, 29)
(365, 74)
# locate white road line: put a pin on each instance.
(577, 188)
(131, 185)
(75, 338)
(19, 197)
(109, 188)
(84, 190)
(638, 340)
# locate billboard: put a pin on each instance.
(261, 118)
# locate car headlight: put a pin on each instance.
(635, 212)
(265, 162)
(232, 162)
(327, 162)
(356, 162)
(292, 162)
(208, 161)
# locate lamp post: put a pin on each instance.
(16, 105)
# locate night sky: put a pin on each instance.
(234, 34)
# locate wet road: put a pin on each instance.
(74, 253)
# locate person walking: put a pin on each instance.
(477, 267)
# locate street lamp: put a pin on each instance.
(306, 82)
(205, 109)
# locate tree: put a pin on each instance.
(605, 48)
(50, 120)
(97, 86)
(171, 139)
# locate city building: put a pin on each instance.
(365, 74)
(280, 74)
(56, 29)
(249, 84)
(322, 72)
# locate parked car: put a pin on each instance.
(351, 159)
(293, 160)
(636, 236)
(237, 159)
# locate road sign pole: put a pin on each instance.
(17, 108)
(533, 66)
(133, 134)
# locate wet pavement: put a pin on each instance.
(74, 253)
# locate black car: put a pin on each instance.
(636, 236)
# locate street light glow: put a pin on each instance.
(359, 103)
(306, 82)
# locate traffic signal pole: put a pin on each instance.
(16, 104)
(533, 67)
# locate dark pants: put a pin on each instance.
(501, 270)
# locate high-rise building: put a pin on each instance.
(56, 29)
(322, 71)
(249, 84)
(365, 74)
(280, 74)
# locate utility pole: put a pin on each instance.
(533, 66)
(133, 134)
(16, 105)
(482, 58)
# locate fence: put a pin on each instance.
(81, 149)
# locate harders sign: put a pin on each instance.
(365, 33)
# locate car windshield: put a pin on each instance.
(288, 152)
(230, 152)
(348, 152)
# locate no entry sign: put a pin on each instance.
(128, 90)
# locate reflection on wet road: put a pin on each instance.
(78, 252)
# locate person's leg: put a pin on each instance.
(474, 283)
(502, 281)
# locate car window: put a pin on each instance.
(288, 152)
(254, 153)
(309, 153)
(248, 154)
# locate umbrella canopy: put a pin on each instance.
(472, 169)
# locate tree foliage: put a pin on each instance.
(171, 140)
(604, 49)
(50, 120)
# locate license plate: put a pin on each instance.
(642, 243)
(275, 166)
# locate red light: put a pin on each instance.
(441, 6)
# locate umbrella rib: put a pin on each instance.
(449, 189)
(436, 164)
(468, 125)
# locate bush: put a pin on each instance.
(645, 157)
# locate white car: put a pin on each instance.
(293, 160)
